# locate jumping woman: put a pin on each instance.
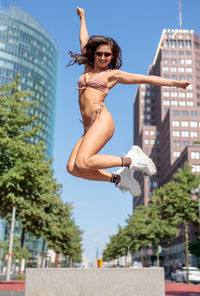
(102, 59)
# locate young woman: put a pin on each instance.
(102, 59)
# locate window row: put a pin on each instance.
(196, 168)
(149, 133)
(193, 134)
(195, 155)
(185, 123)
(151, 141)
(168, 94)
(177, 69)
(177, 43)
(178, 143)
(179, 52)
(185, 113)
(178, 103)
(181, 61)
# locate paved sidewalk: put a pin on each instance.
(12, 293)
(179, 289)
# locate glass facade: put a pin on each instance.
(27, 48)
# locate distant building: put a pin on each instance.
(167, 119)
(27, 48)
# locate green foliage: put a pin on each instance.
(17, 253)
(171, 205)
(26, 176)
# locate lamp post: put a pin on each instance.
(196, 193)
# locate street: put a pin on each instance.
(15, 288)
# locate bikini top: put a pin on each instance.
(98, 81)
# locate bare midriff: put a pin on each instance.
(88, 98)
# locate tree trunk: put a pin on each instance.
(56, 260)
(42, 257)
(186, 252)
(157, 256)
(21, 247)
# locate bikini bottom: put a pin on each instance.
(97, 111)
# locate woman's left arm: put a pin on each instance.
(129, 78)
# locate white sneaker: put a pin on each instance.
(140, 161)
(127, 182)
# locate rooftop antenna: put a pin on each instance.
(180, 14)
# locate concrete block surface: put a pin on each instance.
(94, 282)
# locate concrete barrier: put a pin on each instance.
(94, 282)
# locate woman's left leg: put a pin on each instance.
(95, 175)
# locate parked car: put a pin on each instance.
(180, 275)
(174, 274)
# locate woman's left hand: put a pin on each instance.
(183, 84)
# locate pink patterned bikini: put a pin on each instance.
(99, 82)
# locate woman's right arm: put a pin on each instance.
(83, 35)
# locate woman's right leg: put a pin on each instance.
(95, 175)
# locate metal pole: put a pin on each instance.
(10, 245)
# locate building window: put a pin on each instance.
(188, 53)
(173, 69)
(181, 61)
(190, 104)
(185, 134)
(173, 52)
(193, 124)
(181, 95)
(152, 142)
(166, 103)
(175, 123)
(155, 184)
(176, 143)
(176, 133)
(165, 52)
(189, 95)
(196, 168)
(184, 123)
(146, 133)
(188, 61)
(181, 69)
(165, 69)
(184, 113)
(195, 155)
(152, 133)
(194, 134)
(174, 94)
(174, 103)
(175, 113)
(188, 70)
(182, 103)
(185, 143)
(173, 61)
(174, 77)
(181, 52)
(146, 141)
(176, 154)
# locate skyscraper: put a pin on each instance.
(27, 48)
(167, 119)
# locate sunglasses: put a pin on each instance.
(100, 54)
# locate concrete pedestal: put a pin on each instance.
(94, 282)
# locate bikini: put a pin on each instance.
(98, 81)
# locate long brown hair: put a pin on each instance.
(87, 57)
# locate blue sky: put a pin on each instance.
(137, 26)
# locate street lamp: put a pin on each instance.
(196, 193)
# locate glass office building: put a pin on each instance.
(27, 48)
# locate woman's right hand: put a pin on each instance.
(80, 12)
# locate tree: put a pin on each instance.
(146, 227)
(26, 176)
(174, 202)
